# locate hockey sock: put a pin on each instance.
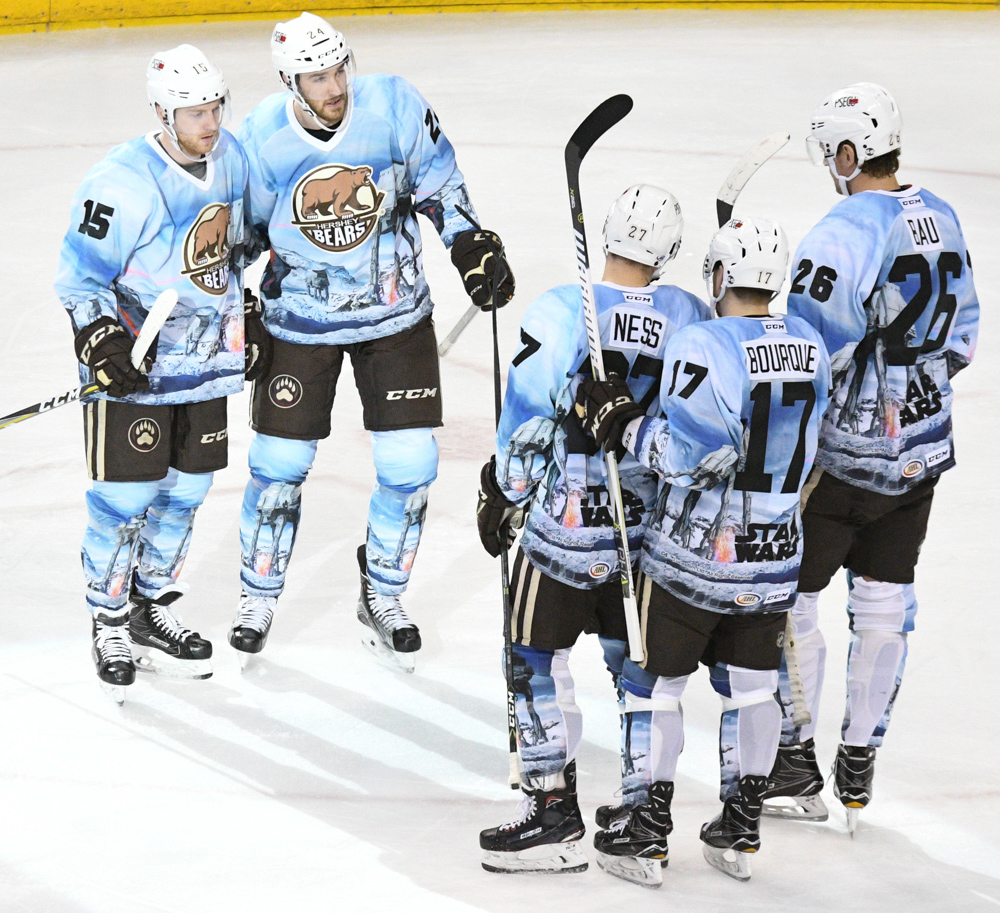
(272, 506)
(751, 723)
(116, 511)
(881, 615)
(614, 659)
(405, 464)
(810, 649)
(166, 534)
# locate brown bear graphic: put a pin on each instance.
(336, 193)
(210, 236)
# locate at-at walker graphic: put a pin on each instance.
(534, 733)
(414, 513)
(278, 508)
(127, 539)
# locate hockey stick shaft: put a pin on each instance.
(594, 126)
(152, 325)
(800, 710)
(745, 169)
(445, 345)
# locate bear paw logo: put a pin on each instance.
(144, 435)
(285, 391)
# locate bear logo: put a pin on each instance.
(206, 250)
(336, 207)
(144, 435)
(285, 391)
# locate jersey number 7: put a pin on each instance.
(752, 476)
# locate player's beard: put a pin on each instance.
(330, 113)
(197, 146)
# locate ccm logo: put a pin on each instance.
(214, 436)
(419, 393)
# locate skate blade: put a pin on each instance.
(852, 820)
(156, 662)
(245, 660)
(645, 872)
(730, 862)
(798, 808)
(115, 692)
(549, 858)
(398, 662)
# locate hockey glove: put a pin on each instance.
(105, 348)
(495, 514)
(479, 257)
(257, 342)
(605, 408)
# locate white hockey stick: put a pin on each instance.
(463, 322)
(800, 711)
(152, 325)
(745, 169)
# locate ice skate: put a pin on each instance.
(795, 783)
(112, 653)
(853, 773)
(545, 836)
(251, 625)
(389, 634)
(730, 838)
(161, 644)
(634, 847)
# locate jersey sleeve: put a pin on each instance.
(108, 217)
(961, 347)
(537, 375)
(262, 191)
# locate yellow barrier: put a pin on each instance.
(47, 15)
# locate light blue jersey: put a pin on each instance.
(142, 224)
(340, 215)
(887, 276)
(542, 450)
(758, 385)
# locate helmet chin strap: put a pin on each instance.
(176, 143)
(293, 85)
(839, 179)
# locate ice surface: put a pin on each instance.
(318, 780)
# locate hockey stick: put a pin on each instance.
(800, 711)
(596, 124)
(466, 318)
(745, 169)
(152, 325)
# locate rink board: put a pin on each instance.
(49, 15)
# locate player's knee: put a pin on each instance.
(118, 502)
(614, 654)
(739, 687)
(663, 694)
(805, 614)
(279, 459)
(873, 605)
(539, 661)
(186, 489)
(405, 460)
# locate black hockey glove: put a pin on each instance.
(478, 255)
(105, 348)
(258, 344)
(494, 512)
(605, 408)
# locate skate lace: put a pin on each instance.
(388, 610)
(524, 812)
(113, 644)
(167, 623)
(255, 612)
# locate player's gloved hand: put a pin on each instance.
(718, 465)
(605, 407)
(479, 257)
(106, 348)
(258, 344)
(495, 513)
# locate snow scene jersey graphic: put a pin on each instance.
(142, 224)
(340, 216)
(758, 385)
(542, 451)
(887, 280)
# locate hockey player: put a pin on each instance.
(340, 165)
(741, 399)
(162, 211)
(565, 577)
(886, 278)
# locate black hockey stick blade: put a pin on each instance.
(743, 170)
(594, 126)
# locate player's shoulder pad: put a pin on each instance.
(125, 171)
(381, 93)
(859, 221)
(933, 201)
(555, 314)
(797, 326)
(264, 120)
(690, 305)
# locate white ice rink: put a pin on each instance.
(318, 781)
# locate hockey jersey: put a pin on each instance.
(757, 385)
(543, 453)
(142, 224)
(339, 216)
(886, 279)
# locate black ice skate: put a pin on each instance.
(795, 783)
(607, 815)
(729, 838)
(634, 846)
(853, 773)
(251, 625)
(112, 653)
(389, 633)
(161, 644)
(545, 836)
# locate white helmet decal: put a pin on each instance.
(644, 225)
(752, 252)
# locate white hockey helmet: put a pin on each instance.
(308, 44)
(644, 225)
(865, 115)
(183, 77)
(752, 252)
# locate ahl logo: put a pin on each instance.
(206, 250)
(336, 207)
(285, 391)
(914, 467)
(601, 569)
(747, 599)
(144, 435)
